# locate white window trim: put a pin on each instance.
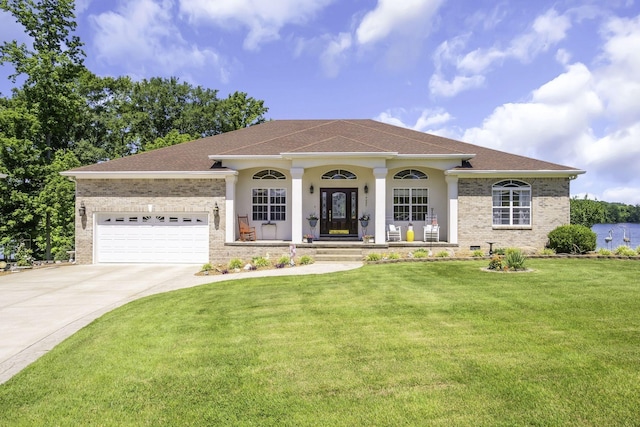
(511, 188)
(411, 205)
(269, 205)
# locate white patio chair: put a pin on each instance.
(431, 233)
(394, 233)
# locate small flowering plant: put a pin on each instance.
(308, 236)
(365, 217)
(312, 216)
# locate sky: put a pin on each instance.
(557, 80)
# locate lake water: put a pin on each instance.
(617, 231)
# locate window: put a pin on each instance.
(339, 174)
(511, 203)
(410, 204)
(410, 174)
(269, 204)
(269, 174)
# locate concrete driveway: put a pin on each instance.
(42, 307)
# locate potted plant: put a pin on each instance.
(364, 220)
(308, 238)
(313, 220)
(367, 238)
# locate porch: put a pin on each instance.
(329, 250)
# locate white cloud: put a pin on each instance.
(335, 54)
(428, 118)
(546, 30)
(554, 124)
(263, 19)
(143, 35)
(399, 17)
(81, 6)
(629, 195)
(439, 86)
(619, 78)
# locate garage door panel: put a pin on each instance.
(158, 238)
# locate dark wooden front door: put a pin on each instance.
(339, 212)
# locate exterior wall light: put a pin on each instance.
(82, 211)
(216, 209)
(311, 189)
(366, 189)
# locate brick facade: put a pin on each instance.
(136, 195)
(549, 209)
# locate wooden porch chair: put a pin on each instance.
(246, 231)
(393, 233)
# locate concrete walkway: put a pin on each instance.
(40, 308)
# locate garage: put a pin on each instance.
(152, 238)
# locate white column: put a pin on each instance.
(296, 204)
(452, 190)
(380, 175)
(230, 209)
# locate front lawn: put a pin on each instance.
(398, 344)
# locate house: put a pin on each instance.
(181, 204)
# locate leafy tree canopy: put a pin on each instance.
(589, 212)
(64, 116)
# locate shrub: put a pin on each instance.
(284, 260)
(638, 250)
(499, 251)
(495, 263)
(260, 261)
(306, 260)
(235, 264)
(24, 256)
(373, 257)
(547, 251)
(477, 253)
(604, 252)
(61, 253)
(514, 259)
(394, 255)
(624, 251)
(442, 254)
(206, 267)
(420, 253)
(572, 239)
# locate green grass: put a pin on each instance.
(436, 344)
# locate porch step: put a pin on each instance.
(338, 254)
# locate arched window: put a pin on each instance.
(269, 174)
(511, 203)
(339, 174)
(269, 204)
(410, 174)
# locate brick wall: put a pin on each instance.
(549, 209)
(135, 195)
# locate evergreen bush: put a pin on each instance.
(572, 239)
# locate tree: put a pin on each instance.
(160, 106)
(24, 164)
(587, 212)
(239, 110)
(56, 201)
(51, 67)
(172, 138)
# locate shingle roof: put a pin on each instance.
(317, 136)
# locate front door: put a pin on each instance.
(339, 212)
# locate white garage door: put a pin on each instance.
(152, 238)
